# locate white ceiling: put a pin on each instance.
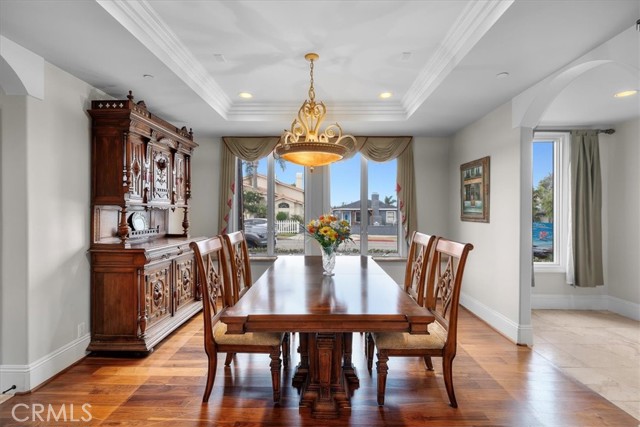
(439, 58)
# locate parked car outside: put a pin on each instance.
(255, 231)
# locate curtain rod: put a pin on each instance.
(607, 131)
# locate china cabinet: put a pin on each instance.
(143, 283)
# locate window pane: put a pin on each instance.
(289, 207)
(345, 198)
(254, 209)
(383, 208)
(543, 202)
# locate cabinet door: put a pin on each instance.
(136, 169)
(161, 175)
(185, 280)
(157, 281)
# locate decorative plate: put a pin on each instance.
(138, 221)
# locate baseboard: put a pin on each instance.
(568, 302)
(28, 377)
(519, 334)
(586, 302)
(624, 308)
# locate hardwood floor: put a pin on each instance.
(497, 384)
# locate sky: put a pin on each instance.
(345, 178)
(542, 160)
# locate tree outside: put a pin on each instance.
(255, 205)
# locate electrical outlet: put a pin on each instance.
(82, 329)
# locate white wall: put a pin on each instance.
(13, 252)
(623, 187)
(491, 285)
(46, 172)
(431, 163)
(205, 187)
(619, 156)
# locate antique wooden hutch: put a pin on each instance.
(143, 283)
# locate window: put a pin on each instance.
(374, 182)
(265, 184)
(549, 201)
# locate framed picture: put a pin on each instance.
(474, 190)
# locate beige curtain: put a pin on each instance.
(246, 148)
(382, 149)
(586, 209)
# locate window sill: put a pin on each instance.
(389, 259)
(548, 269)
(262, 258)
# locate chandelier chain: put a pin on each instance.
(312, 92)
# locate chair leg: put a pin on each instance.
(428, 363)
(227, 361)
(286, 349)
(382, 368)
(447, 370)
(276, 365)
(212, 365)
(369, 351)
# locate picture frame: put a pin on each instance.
(474, 190)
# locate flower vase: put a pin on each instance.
(328, 261)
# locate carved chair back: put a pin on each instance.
(415, 275)
(213, 278)
(444, 284)
(240, 266)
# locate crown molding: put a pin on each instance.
(267, 111)
(474, 22)
(139, 18)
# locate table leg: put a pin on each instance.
(325, 392)
(302, 370)
(347, 367)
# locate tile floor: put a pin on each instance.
(598, 348)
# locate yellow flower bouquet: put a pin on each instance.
(330, 233)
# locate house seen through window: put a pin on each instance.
(287, 205)
(363, 193)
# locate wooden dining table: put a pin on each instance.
(294, 296)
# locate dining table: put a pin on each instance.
(293, 295)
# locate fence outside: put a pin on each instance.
(288, 226)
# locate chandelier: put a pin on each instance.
(303, 144)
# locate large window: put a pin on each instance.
(273, 206)
(549, 202)
(363, 193)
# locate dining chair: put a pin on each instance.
(442, 298)
(213, 277)
(241, 281)
(415, 277)
(415, 274)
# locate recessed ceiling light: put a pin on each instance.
(245, 95)
(385, 95)
(626, 93)
(147, 76)
(502, 75)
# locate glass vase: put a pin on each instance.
(328, 261)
